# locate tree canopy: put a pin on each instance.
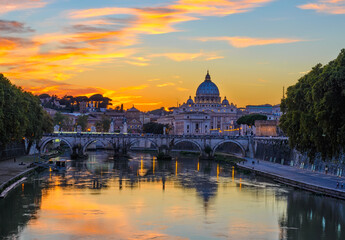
(21, 115)
(103, 125)
(82, 120)
(314, 108)
(153, 127)
(250, 119)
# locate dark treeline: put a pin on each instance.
(250, 119)
(155, 128)
(21, 116)
(70, 103)
(314, 108)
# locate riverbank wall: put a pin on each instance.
(11, 150)
(13, 182)
(12, 172)
(331, 192)
(281, 153)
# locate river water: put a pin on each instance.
(142, 198)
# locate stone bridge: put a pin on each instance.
(162, 143)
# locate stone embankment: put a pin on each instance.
(316, 182)
(12, 173)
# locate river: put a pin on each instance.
(142, 198)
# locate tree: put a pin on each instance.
(82, 121)
(59, 119)
(314, 108)
(38, 121)
(103, 125)
(21, 115)
(153, 127)
(250, 119)
(13, 112)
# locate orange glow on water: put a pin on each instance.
(218, 170)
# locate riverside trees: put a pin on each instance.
(21, 115)
(250, 119)
(314, 108)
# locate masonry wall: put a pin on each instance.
(274, 151)
(278, 151)
(12, 150)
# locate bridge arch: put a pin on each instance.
(104, 143)
(46, 141)
(190, 141)
(229, 141)
(131, 143)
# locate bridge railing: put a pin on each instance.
(137, 135)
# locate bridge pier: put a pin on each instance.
(77, 152)
(164, 153)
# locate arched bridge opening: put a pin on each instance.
(143, 144)
(186, 145)
(229, 147)
(96, 144)
(55, 144)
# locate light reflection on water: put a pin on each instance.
(144, 198)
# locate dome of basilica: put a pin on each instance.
(207, 88)
(225, 101)
(190, 101)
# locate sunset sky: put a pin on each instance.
(154, 53)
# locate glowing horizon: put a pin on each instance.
(155, 54)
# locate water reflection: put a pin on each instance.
(143, 198)
(312, 217)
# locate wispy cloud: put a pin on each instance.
(243, 42)
(148, 103)
(305, 72)
(182, 56)
(15, 5)
(62, 88)
(166, 84)
(101, 35)
(139, 87)
(14, 27)
(154, 80)
(326, 6)
(181, 89)
(262, 80)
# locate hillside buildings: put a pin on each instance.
(206, 113)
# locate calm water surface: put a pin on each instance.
(143, 198)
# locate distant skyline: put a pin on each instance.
(154, 53)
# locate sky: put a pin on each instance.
(155, 53)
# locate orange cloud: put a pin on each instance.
(181, 89)
(62, 89)
(218, 7)
(326, 6)
(178, 57)
(148, 104)
(243, 42)
(98, 36)
(166, 84)
(140, 87)
(15, 5)
(154, 80)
